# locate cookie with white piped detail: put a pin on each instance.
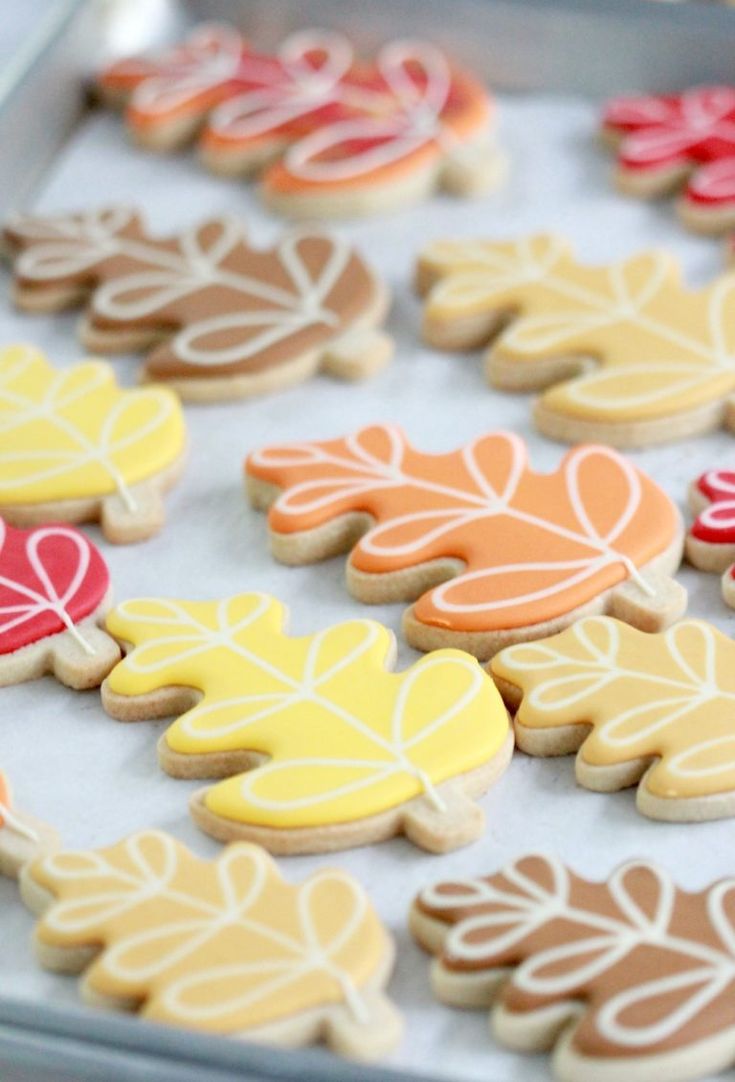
(22, 837)
(223, 947)
(710, 543)
(319, 745)
(627, 978)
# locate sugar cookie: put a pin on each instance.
(224, 946)
(74, 447)
(678, 142)
(222, 319)
(658, 710)
(711, 541)
(22, 838)
(331, 135)
(356, 753)
(494, 552)
(54, 593)
(630, 978)
(631, 356)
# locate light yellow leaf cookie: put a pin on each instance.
(355, 753)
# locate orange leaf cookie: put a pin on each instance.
(321, 746)
(630, 978)
(711, 541)
(224, 319)
(655, 708)
(332, 135)
(493, 551)
(224, 946)
(624, 352)
(21, 837)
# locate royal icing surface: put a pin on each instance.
(716, 524)
(50, 579)
(340, 122)
(345, 738)
(228, 308)
(10, 820)
(660, 348)
(652, 966)
(225, 946)
(535, 546)
(669, 698)
(73, 433)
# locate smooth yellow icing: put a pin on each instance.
(661, 348)
(225, 945)
(345, 738)
(669, 697)
(73, 433)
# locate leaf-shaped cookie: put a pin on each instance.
(711, 541)
(54, 591)
(75, 447)
(629, 354)
(518, 554)
(630, 978)
(22, 838)
(355, 752)
(682, 141)
(224, 946)
(659, 708)
(224, 319)
(331, 135)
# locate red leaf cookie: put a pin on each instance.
(22, 838)
(711, 541)
(333, 135)
(493, 551)
(224, 319)
(630, 978)
(674, 141)
(54, 589)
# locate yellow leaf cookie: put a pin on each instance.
(629, 354)
(224, 946)
(355, 753)
(74, 446)
(660, 708)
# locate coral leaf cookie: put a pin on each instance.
(632, 356)
(22, 838)
(631, 978)
(678, 141)
(224, 946)
(660, 708)
(75, 447)
(224, 319)
(331, 135)
(518, 554)
(355, 753)
(54, 591)
(711, 541)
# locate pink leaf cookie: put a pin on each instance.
(629, 978)
(54, 591)
(492, 551)
(711, 542)
(331, 134)
(22, 838)
(679, 141)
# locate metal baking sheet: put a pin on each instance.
(98, 780)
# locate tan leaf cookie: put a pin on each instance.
(654, 708)
(711, 541)
(624, 353)
(331, 135)
(627, 979)
(355, 753)
(74, 447)
(494, 552)
(222, 319)
(22, 838)
(224, 946)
